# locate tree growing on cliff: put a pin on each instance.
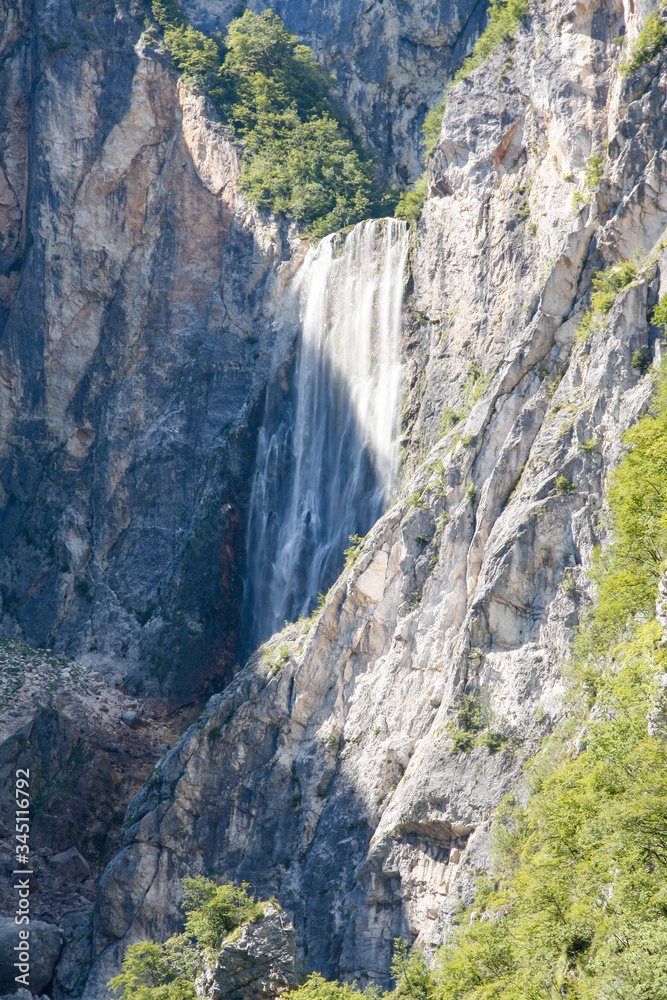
(152, 971)
(300, 157)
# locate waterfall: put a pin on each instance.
(327, 455)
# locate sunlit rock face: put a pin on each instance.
(327, 773)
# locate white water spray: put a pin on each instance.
(327, 461)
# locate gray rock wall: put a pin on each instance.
(137, 301)
(326, 773)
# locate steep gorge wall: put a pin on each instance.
(139, 295)
(326, 772)
(140, 314)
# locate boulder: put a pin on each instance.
(45, 944)
(257, 961)
(71, 865)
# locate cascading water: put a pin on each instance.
(327, 458)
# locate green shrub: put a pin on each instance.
(607, 284)
(659, 317)
(167, 971)
(650, 41)
(214, 911)
(299, 158)
(432, 126)
(414, 979)
(504, 18)
(318, 988)
(641, 360)
(354, 549)
(593, 172)
(411, 202)
(563, 486)
(606, 287)
(449, 419)
(148, 974)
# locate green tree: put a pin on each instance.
(147, 974)
(299, 157)
(214, 911)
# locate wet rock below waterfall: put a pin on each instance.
(259, 962)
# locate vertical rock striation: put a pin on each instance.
(138, 298)
(340, 770)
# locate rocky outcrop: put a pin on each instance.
(257, 961)
(330, 772)
(62, 723)
(44, 947)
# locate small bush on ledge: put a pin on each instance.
(152, 971)
(650, 41)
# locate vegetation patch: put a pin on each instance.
(472, 726)
(659, 316)
(449, 419)
(300, 157)
(353, 551)
(152, 971)
(563, 486)
(606, 287)
(594, 171)
(411, 202)
(504, 19)
(650, 41)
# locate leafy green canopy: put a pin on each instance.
(299, 156)
(167, 971)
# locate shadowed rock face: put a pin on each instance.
(137, 295)
(326, 773)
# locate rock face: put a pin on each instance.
(139, 305)
(327, 772)
(45, 945)
(137, 296)
(255, 963)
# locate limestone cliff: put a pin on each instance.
(140, 304)
(352, 766)
(138, 293)
(328, 772)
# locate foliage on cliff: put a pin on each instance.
(650, 41)
(299, 156)
(167, 971)
(578, 904)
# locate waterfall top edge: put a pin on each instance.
(347, 231)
